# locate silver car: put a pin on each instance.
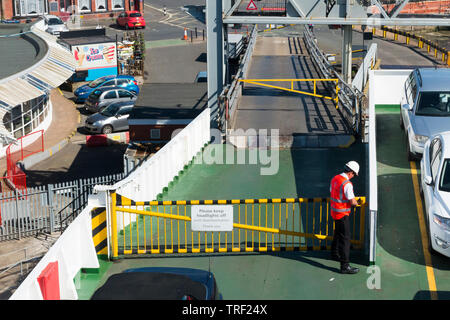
(54, 25)
(425, 107)
(112, 118)
(104, 96)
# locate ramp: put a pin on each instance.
(303, 121)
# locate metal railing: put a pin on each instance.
(349, 97)
(229, 97)
(164, 227)
(46, 209)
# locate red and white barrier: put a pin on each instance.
(100, 140)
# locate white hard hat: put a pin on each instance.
(353, 165)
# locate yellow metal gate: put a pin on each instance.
(266, 83)
(164, 227)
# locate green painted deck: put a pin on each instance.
(308, 274)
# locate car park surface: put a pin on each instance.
(425, 107)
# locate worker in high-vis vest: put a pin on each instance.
(341, 202)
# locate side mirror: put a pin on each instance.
(407, 107)
(428, 180)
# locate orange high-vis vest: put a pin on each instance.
(340, 205)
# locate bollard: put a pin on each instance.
(203, 34)
(192, 39)
(448, 58)
(196, 36)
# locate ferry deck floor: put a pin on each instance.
(310, 274)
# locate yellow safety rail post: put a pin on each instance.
(298, 219)
(261, 82)
(114, 238)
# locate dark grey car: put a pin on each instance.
(104, 96)
(112, 118)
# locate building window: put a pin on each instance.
(117, 4)
(84, 5)
(29, 7)
(100, 5)
(155, 134)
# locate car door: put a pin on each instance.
(121, 121)
(125, 95)
(108, 98)
(435, 161)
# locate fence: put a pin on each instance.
(229, 98)
(155, 227)
(46, 209)
(34, 143)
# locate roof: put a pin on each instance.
(435, 79)
(149, 286)
(85, 36)
(170, 101)
(18, 53)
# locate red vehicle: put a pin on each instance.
(131, 19)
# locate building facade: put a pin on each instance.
(26, 9)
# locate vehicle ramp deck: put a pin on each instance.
(302, 120)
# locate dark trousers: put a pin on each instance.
(341, 239)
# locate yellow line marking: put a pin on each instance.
(423, 232)
(60, 91)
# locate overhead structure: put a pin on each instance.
(344, 13)
(325, 12)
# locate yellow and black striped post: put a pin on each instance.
(99, 231)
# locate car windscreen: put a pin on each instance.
(54, 21)
(444, 183)
(433, 104)
(134, 15)
(111, 110)
(97, 82)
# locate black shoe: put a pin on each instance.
(335, 256)
(349, 270)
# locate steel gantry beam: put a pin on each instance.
(310, 12)
(370, 22)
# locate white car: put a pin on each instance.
(425, 107)
(435, 186)
(54, 25)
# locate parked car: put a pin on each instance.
(130, 19)
(112, 118)
(159, 283)
(54, 25)
(202, 76)
(425, 107)
(124, 81)
(104, 96)
(435, 187)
